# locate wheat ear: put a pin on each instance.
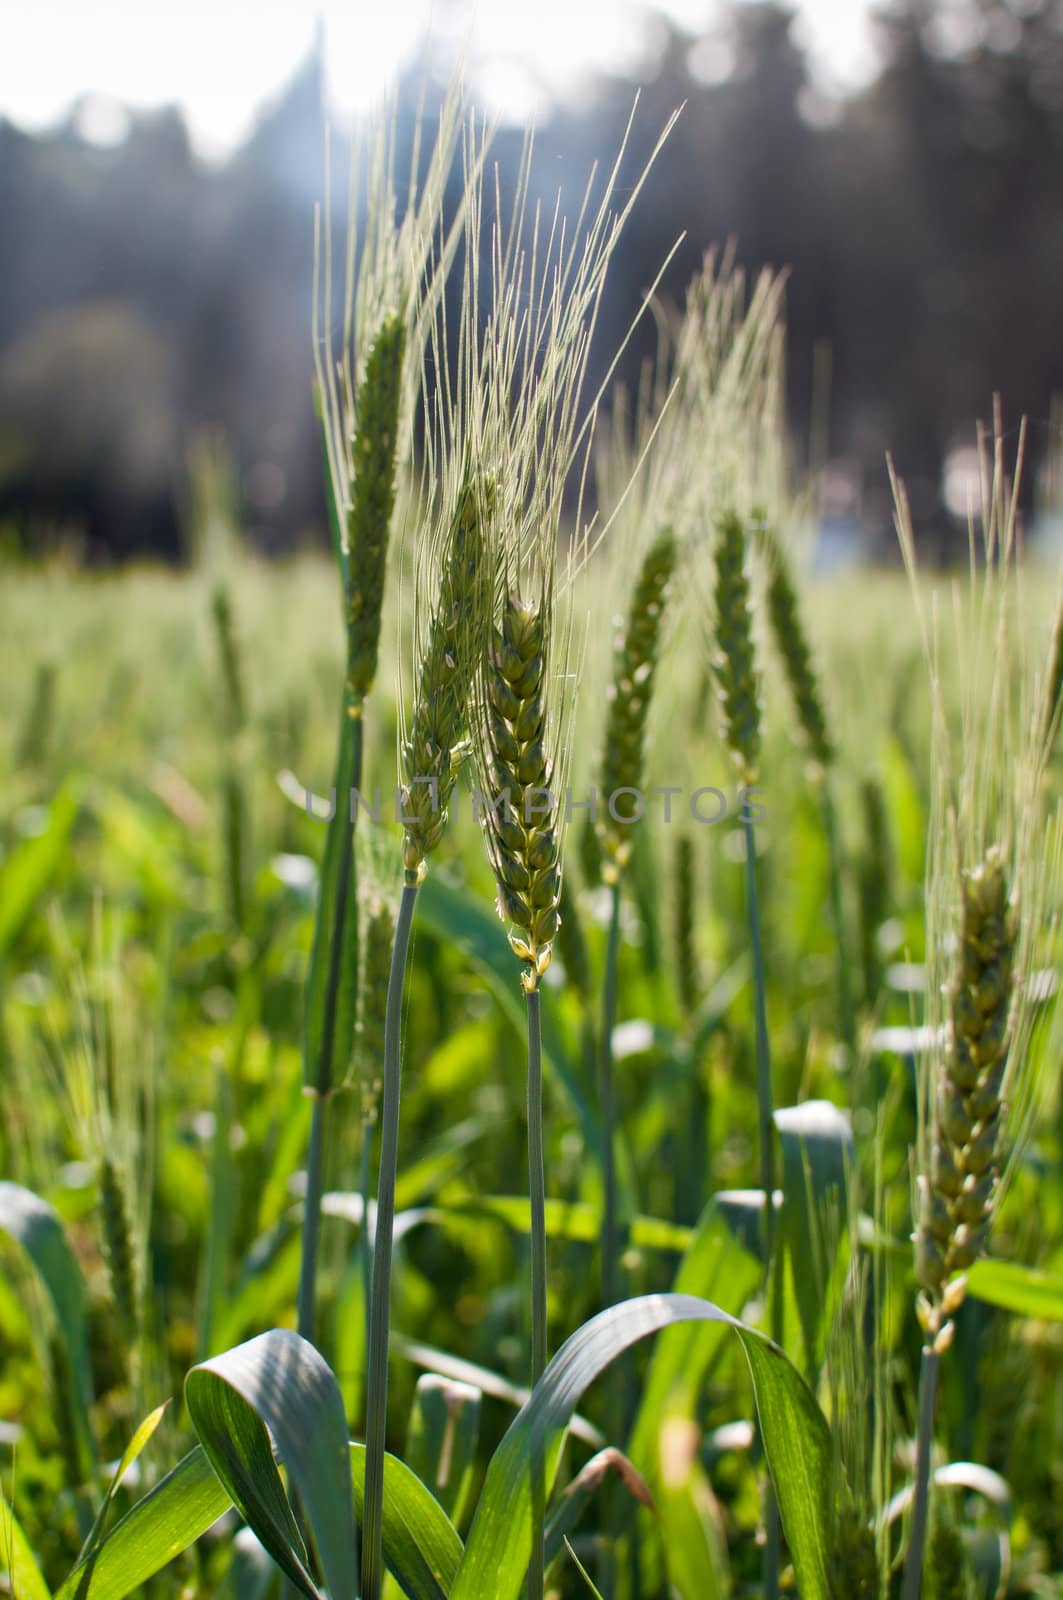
(629, 698)
(431, 750)
(521, 821)
(795, 651)
(372, 502)
(956, 1195)
(734, 662)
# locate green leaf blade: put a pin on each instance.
(280, 1382)
(172, 1516)
(795, 1432)
(421, 1546)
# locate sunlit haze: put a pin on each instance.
(219, 61)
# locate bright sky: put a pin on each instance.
(220, 58)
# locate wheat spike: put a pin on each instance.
(118, 1246)
(735, 660)
(685, 952)
(629, 699)
(372, 501)
(520, 818)
(458, 626)
(796, 652)
(235, 709)
(958, 1192)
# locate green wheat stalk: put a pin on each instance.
(448, 661)
(366, 392)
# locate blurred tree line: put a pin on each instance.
(146, 298)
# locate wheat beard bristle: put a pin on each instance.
(957, 1195)
(523, 836)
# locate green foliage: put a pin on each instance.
(280, 1382)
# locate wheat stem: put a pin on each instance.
(315, 1184)
(610, 1265)
(913, 1563)
(834, 858)
(765, 1126)
(365, 1248)
(537, 1197)
(380, 1305)
(765, 1106)
(339, 944)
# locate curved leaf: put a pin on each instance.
(129, 1455)
(17, 1561)
(280, 1382)
(582, 1490)
(36, 1227)
(421, 1547)
(795, 1433)
(180, 1508)
(716, 1268)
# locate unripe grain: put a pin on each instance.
(686, 955)
(735, 661)
(630, 695)
(372, 503)
(521, 822)
(957, 1194)
(118, 1247)
(795, 651)
(448, 666)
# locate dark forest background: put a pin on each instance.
(147, 297)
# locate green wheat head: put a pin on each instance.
(991, 856)
(957, 1194)
(372, 502)
(792, 642)
(686, 957)
(453, 642)
(734, 658)
(235, 700)
(630, 695)
(521, 817)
